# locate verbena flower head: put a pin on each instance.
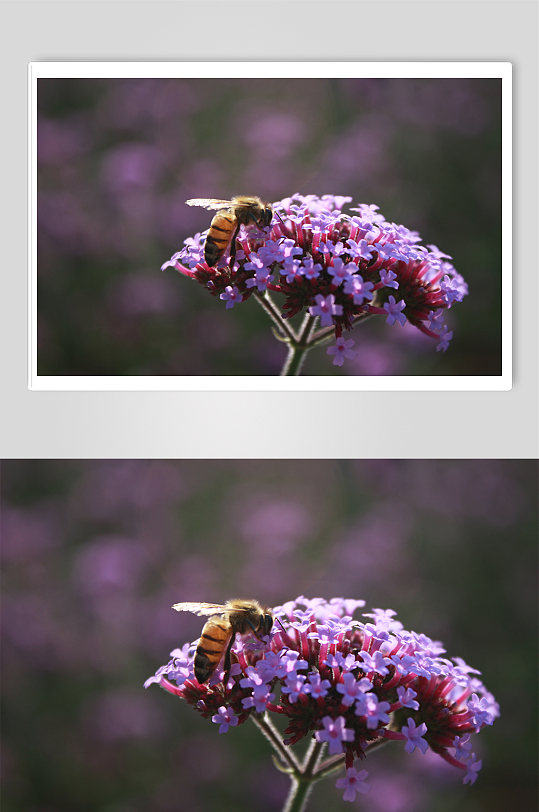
(334, 265)
(346, 682)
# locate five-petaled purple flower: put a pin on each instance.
(341, 349)
(225, 718)
(414, 736)
(394, 311)
(353, 783)
(334, 733)
(326, 308)
(231, 296)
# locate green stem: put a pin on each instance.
(303, 783)
(336, 763)
(265, 301)
(298, 349)
(305, 775)
(298, 795)
(327, 333)
(331, 765)
(299, 344)
(272, 735)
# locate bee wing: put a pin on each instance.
(201, 608)
(208, 202)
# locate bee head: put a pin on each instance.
(266, 217)
(266, 624)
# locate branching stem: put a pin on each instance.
(298, 349)
(272, 735)
(265, 301)
(305, 775)
(299, 343)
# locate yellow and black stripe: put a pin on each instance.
(221, 228)
(216, 634)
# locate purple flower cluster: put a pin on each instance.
(346, 682)
(335, 266)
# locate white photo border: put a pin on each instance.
(263, 69)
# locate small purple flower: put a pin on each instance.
(406, 697)
(337, 249)
(337, 660)
(414, 736)
(231, 296)
(445, 338)
(351, 688)
(253, 678)
(172, 262)
(463, 747)
(389, 251)
(463, 667)
(375, 712)
(481, 710)
(270, 252)
(292, 662)
(272, 666)
(394, 311)
(326, 308)
(225, 718)
(360, 290)
(310, 269)
(292, 269)
(453, 289)
(289, 249)
(259, 698)
(360, 250)
(317, 686)
(261, 279)
(345, 606)
(294, 686)
(472, 772)
(341, 272)
(437, 253)
(337, 201)
(436, 321)
(334, 733)
(388, 279)
(256, 263)
(341, 350)
(353, 783)
(375, 662)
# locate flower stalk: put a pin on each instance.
(284, 330)
(286, 756)
(302, 782)
(298, 349)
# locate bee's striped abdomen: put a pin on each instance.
(213, 641)
(221, 228)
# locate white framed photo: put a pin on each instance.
(322, 195)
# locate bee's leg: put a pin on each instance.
(227, 660)
(233, 247)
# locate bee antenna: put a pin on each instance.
(285, 227)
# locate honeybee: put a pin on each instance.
(225, 225)
(219, 631)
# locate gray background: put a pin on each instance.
(176, 424)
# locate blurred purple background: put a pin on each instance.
(117, 158)
(95, 552)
